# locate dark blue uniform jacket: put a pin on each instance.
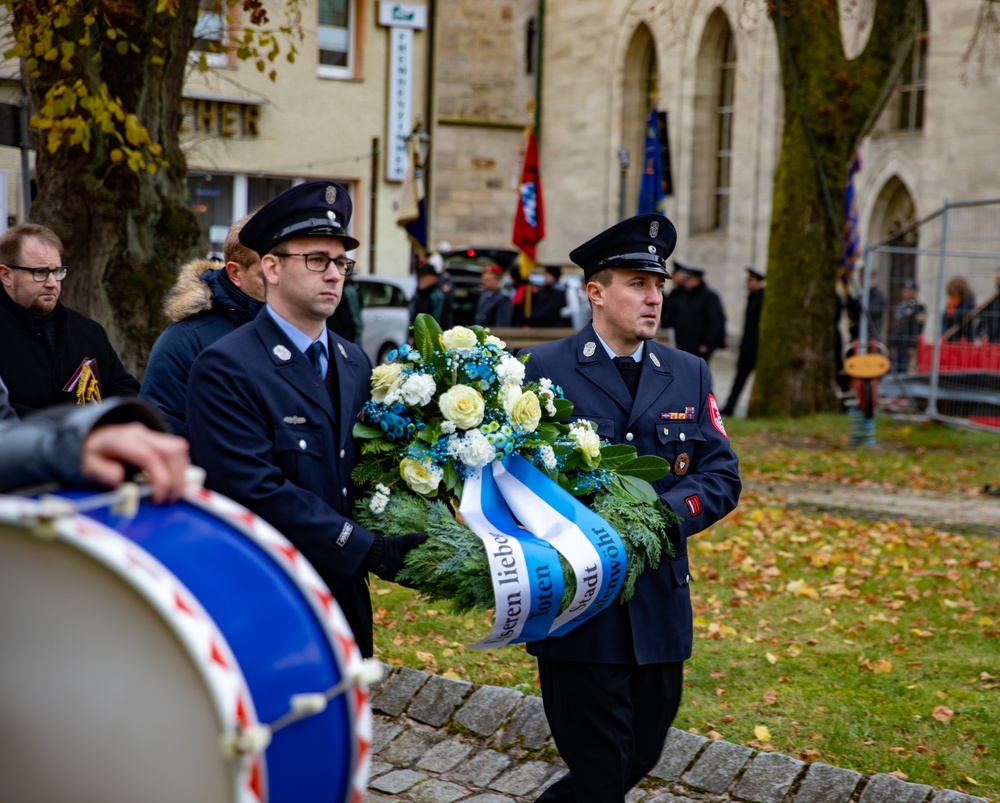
(264, 428)
(656, 625)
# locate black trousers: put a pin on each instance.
(609, 723)
(743, 371)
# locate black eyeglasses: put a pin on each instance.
(320, 262)
(41, 274)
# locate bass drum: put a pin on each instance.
(155, 657)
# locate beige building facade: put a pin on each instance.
(329, 114)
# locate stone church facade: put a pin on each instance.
(712, 69)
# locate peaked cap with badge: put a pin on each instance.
(753, 273)
(641, 243)
(310, 209)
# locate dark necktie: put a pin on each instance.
(314, 352)
(629, 370)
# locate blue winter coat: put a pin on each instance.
(204, 305)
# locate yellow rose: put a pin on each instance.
(421, 478)
(526, 412)
(589, 442)
(384, 379)
(463, 406)
(458, 337)
(508, 395)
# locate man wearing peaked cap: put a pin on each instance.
(694, 311)
(612, 686)
(747, 359)
(271, 405)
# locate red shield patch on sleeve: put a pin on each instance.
(716, 415)
(693, 505)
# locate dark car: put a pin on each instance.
(465, 267)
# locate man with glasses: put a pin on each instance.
(271, 406)
(51, 354)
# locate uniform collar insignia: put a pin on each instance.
(654, 359)
(589, 348)
(281, 352)
(342, 350)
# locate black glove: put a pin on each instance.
(385, 558)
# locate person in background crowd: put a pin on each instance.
(522, 291)
(697, 317)
(747, 359)
(550, 306)
(51, 354)
(876, 308)
(346, 320)
(493, 307)
(908, 319)
(430, 298)
(95, 443)
(271, 406)
(207, 301)
(611, 687)
(957, 322)
(990, 315)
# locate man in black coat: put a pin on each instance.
(550, 306)
(493, 307)
(747, 358)
(611, 687)
(696, 315)
(51, 354)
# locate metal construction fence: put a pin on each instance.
(932, 303)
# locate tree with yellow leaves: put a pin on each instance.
(103, 81)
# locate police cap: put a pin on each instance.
(639, 243)
(690, 270)
(754, 274)
(310, 209)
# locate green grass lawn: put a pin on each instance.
(871, 646)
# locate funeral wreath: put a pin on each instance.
(455, 407)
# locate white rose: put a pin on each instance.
(462, 405)
(458, 337)
(384, 379)
(496, 341)
(422, 478)
(526, 412)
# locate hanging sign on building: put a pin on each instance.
(402, 19)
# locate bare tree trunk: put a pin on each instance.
(796, 365)
(124, 233)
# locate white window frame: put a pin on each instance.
(208, 22)
(329, 34)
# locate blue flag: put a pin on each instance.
(651, 196)
(851, 236)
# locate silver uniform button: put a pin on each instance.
(683, 437)
(687, 579)
(302, 444)
(343, 453)
(629, 437)
(343, 491)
